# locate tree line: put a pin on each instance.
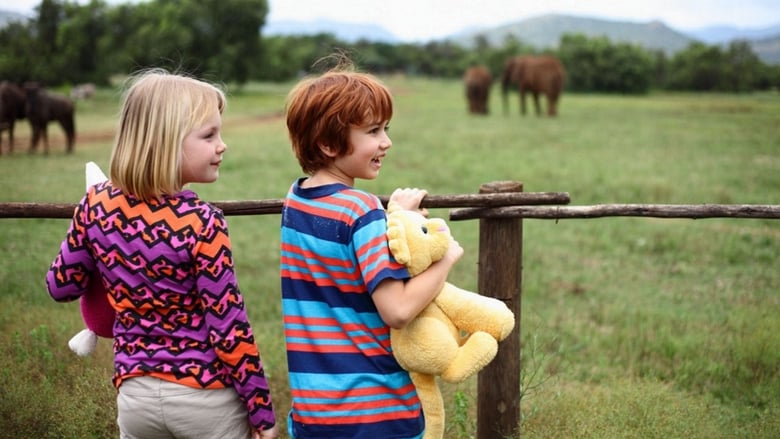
(66, 43)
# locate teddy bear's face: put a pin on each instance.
(417, 241)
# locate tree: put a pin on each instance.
(742, 68)
(15, 57)
(595, 64)
(44, 30)
(227, 35)
(71, 42)
(699, 67)
(78, 57)
(68, 42)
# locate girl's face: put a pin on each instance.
(202, 151)
(369, 143)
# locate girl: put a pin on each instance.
(185, 360)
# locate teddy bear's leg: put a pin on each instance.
(426, 345)
(432, 403)
(472, 312)
(478, 350)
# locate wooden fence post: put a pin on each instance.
(500, 276)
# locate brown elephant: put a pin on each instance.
(12, 108)
(537, 74)
(44, 107)
(478, 80)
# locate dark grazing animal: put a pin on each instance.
(538, 75)
(12, 108)
(477, 80)
(44, 107)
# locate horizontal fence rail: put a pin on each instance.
(500, 207)
(690, 211)
(274, 206)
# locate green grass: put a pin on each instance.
(631, 327)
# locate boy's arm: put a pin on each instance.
(398, 302)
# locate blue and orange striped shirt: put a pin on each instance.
(344, 380)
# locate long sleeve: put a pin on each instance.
(69, 273)
(229, 330)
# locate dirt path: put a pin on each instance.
(86, 137)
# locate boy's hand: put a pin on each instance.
(454, 252)
(409, 199)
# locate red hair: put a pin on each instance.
(320, 111)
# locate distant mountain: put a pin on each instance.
(765, 41)
(726, 34)
(767, 49)
(545, 31)
(349, 32)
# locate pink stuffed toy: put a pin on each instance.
(96, 311)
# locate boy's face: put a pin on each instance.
(369, 144)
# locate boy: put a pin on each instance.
(341, 289)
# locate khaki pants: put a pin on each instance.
(150, 408)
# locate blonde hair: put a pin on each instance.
(321, 109)
(159, 109)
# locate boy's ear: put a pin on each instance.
(327, 150)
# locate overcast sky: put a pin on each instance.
(419, 20)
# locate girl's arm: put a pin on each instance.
(230, 332)
(71, 270)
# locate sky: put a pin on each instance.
(426, 19)
(422, 20)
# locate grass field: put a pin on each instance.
(631, 327)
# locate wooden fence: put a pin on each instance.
(500, 207)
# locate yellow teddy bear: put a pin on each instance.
(457, 334)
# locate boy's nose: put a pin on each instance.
(387, 142)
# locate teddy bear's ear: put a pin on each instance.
(396, 240)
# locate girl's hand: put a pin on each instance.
(270, 433)
(409, 199)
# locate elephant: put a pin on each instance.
(478, 80)
(12, 108)
(537, 74)
(44, 107)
